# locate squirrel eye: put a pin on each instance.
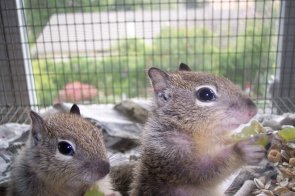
(205, 94)
(65, 148)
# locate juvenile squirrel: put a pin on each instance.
(187, 148)
(64, 155)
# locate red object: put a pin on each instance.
(76, 92)
(248, 86)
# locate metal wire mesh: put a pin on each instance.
(98, 51)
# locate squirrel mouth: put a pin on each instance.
(239, 122)
(235, 126)
(239, 127)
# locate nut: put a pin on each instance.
(292, 161)
(280, 190)
(274, 156)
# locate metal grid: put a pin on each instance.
(17, 114)
(98, 51)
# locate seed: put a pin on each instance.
(291, 185)
(268, 192)
(268, 184)
(284, 183)
(285, 155)
(279, 190)
(262, 179)
(258, 183)
(287, 172)
(256, 192)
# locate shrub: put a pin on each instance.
(114, 76)
(245, 59)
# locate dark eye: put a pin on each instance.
(65, 148)
(205, 94)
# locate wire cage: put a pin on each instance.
(97, 51)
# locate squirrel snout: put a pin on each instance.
(103, 168)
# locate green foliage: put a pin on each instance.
(45, 81)
(242, 57)
(287, 134)
(254, 129)
(244, 60)
(93, 191)
(192, 46)
(247, 58)
(113, 76)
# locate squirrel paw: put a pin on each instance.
(250, 152)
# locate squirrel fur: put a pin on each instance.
(186, 146)
(64, 155)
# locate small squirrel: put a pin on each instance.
(187, 147)
(64, 155)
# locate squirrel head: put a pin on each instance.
(67, 149)
(199, 101)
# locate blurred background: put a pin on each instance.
(98, 51)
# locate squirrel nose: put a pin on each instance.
(103, 168)
(252, 109)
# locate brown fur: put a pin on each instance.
(121, 177)
(41, 170)
(186, 146)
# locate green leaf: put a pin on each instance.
(93, 191)
(287, 134)
(254, 129)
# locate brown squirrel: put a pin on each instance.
(64, 155)
(186, 147)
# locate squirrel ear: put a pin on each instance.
(75, 110)
(37, 127)
(184, 67)
(159, 79)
